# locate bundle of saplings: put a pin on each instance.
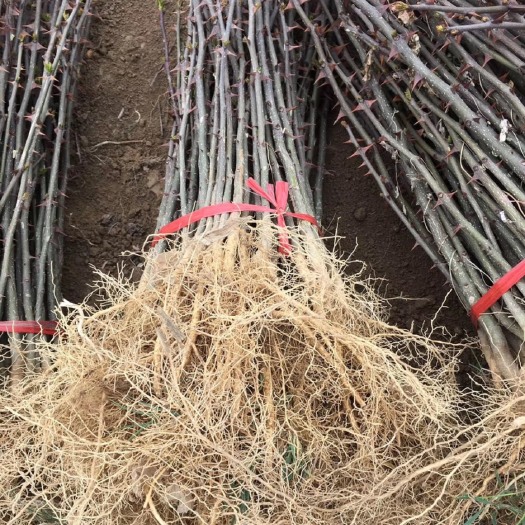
(433, 98)
(42, 47)
(244, 379)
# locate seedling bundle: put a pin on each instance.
(42, 45)
(245, 379)
(433, 98)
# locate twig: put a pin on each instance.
(37, 88)
(436, 107)
(115, 143)
(495, 9)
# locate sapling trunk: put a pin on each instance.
(240, 91)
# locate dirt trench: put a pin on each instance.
(121, 123)
(353, 206)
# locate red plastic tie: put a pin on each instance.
(497, 291)
(276, 195)
(29, 327)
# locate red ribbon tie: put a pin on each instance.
(497, 291)
(29, 327)
(276, 195)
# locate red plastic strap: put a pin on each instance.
(276, 195)
(29, 327)
(497, 290)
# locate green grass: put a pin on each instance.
(142, 416)
(506, 507)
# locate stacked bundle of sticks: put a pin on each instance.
(245, 104)
(42, 45)
(433, 98)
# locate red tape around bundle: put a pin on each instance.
(276, 195)
(29, 327)
(497, 291)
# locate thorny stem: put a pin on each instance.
(433, 103)
(237, 91)
(37, 86)
(496, 9)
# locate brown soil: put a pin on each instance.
(353, 207)
(116, 188)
